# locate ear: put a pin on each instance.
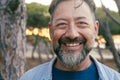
(50, 29)
(96, 28)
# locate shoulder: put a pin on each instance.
(35, 72)
(107, 72)
(111, 73)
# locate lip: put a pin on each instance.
(72, 46)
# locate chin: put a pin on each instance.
(72, 58)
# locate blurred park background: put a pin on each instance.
(25, 41)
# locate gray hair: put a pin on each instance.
(55, 3)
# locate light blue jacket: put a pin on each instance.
(44, 72)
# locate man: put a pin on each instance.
(73, 29)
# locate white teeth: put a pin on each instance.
(72, 44)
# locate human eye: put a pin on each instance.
(61, 25)
(82, 24)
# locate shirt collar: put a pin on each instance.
(101, 71)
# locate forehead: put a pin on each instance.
(72, 8)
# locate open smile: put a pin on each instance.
(72, 45)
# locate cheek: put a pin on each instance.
(88, 34)
(57, 34)
(90, 37)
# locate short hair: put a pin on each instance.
(55, 3)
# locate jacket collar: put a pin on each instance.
(101, 71)
(49, 72)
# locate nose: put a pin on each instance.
(72, 32)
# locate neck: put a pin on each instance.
(83, 65)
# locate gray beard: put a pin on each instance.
(70, 59)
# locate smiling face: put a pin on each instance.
(73, 31)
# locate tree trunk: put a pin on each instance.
(118, 5)
(12, 38)
(110, 15)
(108, 37)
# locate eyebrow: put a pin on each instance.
(66, 20)
(80, 18)
(60, 19)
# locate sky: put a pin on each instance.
(108, 3)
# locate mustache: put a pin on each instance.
(69, 40)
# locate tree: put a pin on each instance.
(38, 15)
(118, 5)
(114, 26)
(12, 38)
(108, 37)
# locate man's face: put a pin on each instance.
(73, 31)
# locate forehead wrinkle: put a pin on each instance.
(92, 14)
(81, 17)
(60, 19)
(73, 10)
(77, 6)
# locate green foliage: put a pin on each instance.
(37, 15)
(115, 28)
